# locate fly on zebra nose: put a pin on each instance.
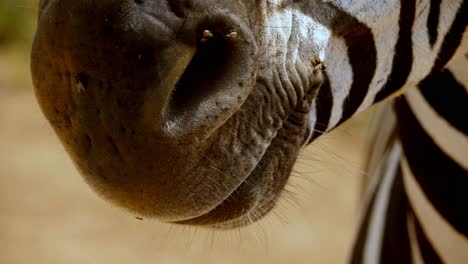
(209, 35)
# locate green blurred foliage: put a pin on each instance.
(17, 25)
(17, 21)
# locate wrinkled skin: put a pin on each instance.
(165, 125)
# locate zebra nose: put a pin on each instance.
(132, 90)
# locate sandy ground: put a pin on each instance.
(48, 215)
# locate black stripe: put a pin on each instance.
(443, 181)
(360, 42)
(433, 21)
(362, 54)
(453, 39)
(324, 106)
(448, 98)
(428, 254)
(403, 59)
(395, 241)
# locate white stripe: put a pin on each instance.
(393, 157)
(424, 55)
(341, 73)
(377, 219)
(451, 246)
(448, 12)
(415, 250)
(450, 140)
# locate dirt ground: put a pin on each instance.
(48, 215)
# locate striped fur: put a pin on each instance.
(416, 208)
(374, 49)
(423, 218)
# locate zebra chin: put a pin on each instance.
(176, 138)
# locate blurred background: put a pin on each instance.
(48, 215)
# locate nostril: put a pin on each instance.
(177, 7)
(210, 63)
(139, 2)
(82, 79)
(217, 79)
(81, 82)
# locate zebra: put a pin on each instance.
(414, 211)
(194, 111)
(410, 221)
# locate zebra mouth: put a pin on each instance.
(240, 208)
(258, 193)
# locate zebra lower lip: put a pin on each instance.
(238, 204)
(257, 194)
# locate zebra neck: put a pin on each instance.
(434, 136)
(415, 211)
